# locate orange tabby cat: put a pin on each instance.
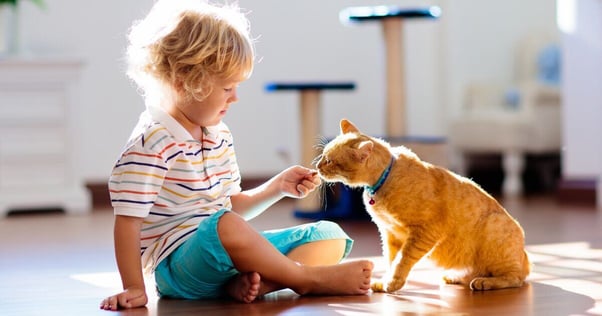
(423, 209)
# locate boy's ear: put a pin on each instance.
(364, 150)
(348, 127)
(179, 86)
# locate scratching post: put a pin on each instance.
(395, 98)
(310, 129)
(392, 21)
(309, 119)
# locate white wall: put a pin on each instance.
(298, 40)
(481, 39)
(582, 88)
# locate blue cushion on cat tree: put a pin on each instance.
(279, 86)
(371, 13)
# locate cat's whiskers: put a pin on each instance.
(323, 193)
(322, 141)
(319, 147)
(315, 161)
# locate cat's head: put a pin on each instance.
(344, 159)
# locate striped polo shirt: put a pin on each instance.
(173, 181)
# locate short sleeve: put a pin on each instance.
(137, 178)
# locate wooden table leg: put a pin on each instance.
(513, 163)
(395, 102)
(310, 129)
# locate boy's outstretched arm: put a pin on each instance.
(296, 181)
(127, 253)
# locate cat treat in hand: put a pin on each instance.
(422, 209)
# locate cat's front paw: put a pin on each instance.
(394, 285)
(377, 286)
(388, 286)
(448, 279)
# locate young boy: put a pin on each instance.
(179, 210)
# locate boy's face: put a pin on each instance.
(213, 108)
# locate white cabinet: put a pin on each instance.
(37, 150)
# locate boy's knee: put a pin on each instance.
(334, 231)
(233, 230)
(330, 227)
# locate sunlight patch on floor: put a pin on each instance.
(109, 280)
(560, 264)
(396, 304)
(575, 267)
(575, 250)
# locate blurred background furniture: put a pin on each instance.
(513, 120)
(37, 156)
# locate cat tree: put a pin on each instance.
(309, 110)
(392, 19)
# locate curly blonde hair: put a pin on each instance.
(188, 44)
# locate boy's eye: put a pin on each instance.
(230, 88)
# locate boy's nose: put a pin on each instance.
(234, 96)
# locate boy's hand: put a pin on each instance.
(130, 298)
(299, 181)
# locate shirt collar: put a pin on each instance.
(158, 114)
(173, 126)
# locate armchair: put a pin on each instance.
(512, 120)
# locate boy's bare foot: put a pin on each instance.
(349, 278)
(244, 287)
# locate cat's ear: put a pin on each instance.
(365, 149)
(348, 127)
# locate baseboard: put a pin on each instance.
(577, 191)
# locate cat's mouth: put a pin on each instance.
(321, 174)
(329, 178)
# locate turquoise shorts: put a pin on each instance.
(200, 267)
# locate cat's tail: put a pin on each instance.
(526, 263)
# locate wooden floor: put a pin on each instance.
(56, 264)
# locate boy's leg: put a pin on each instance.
(315, 244)
(250, 252)
(319, 253)
(319, 243)
(246, 287)
(201, 266)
